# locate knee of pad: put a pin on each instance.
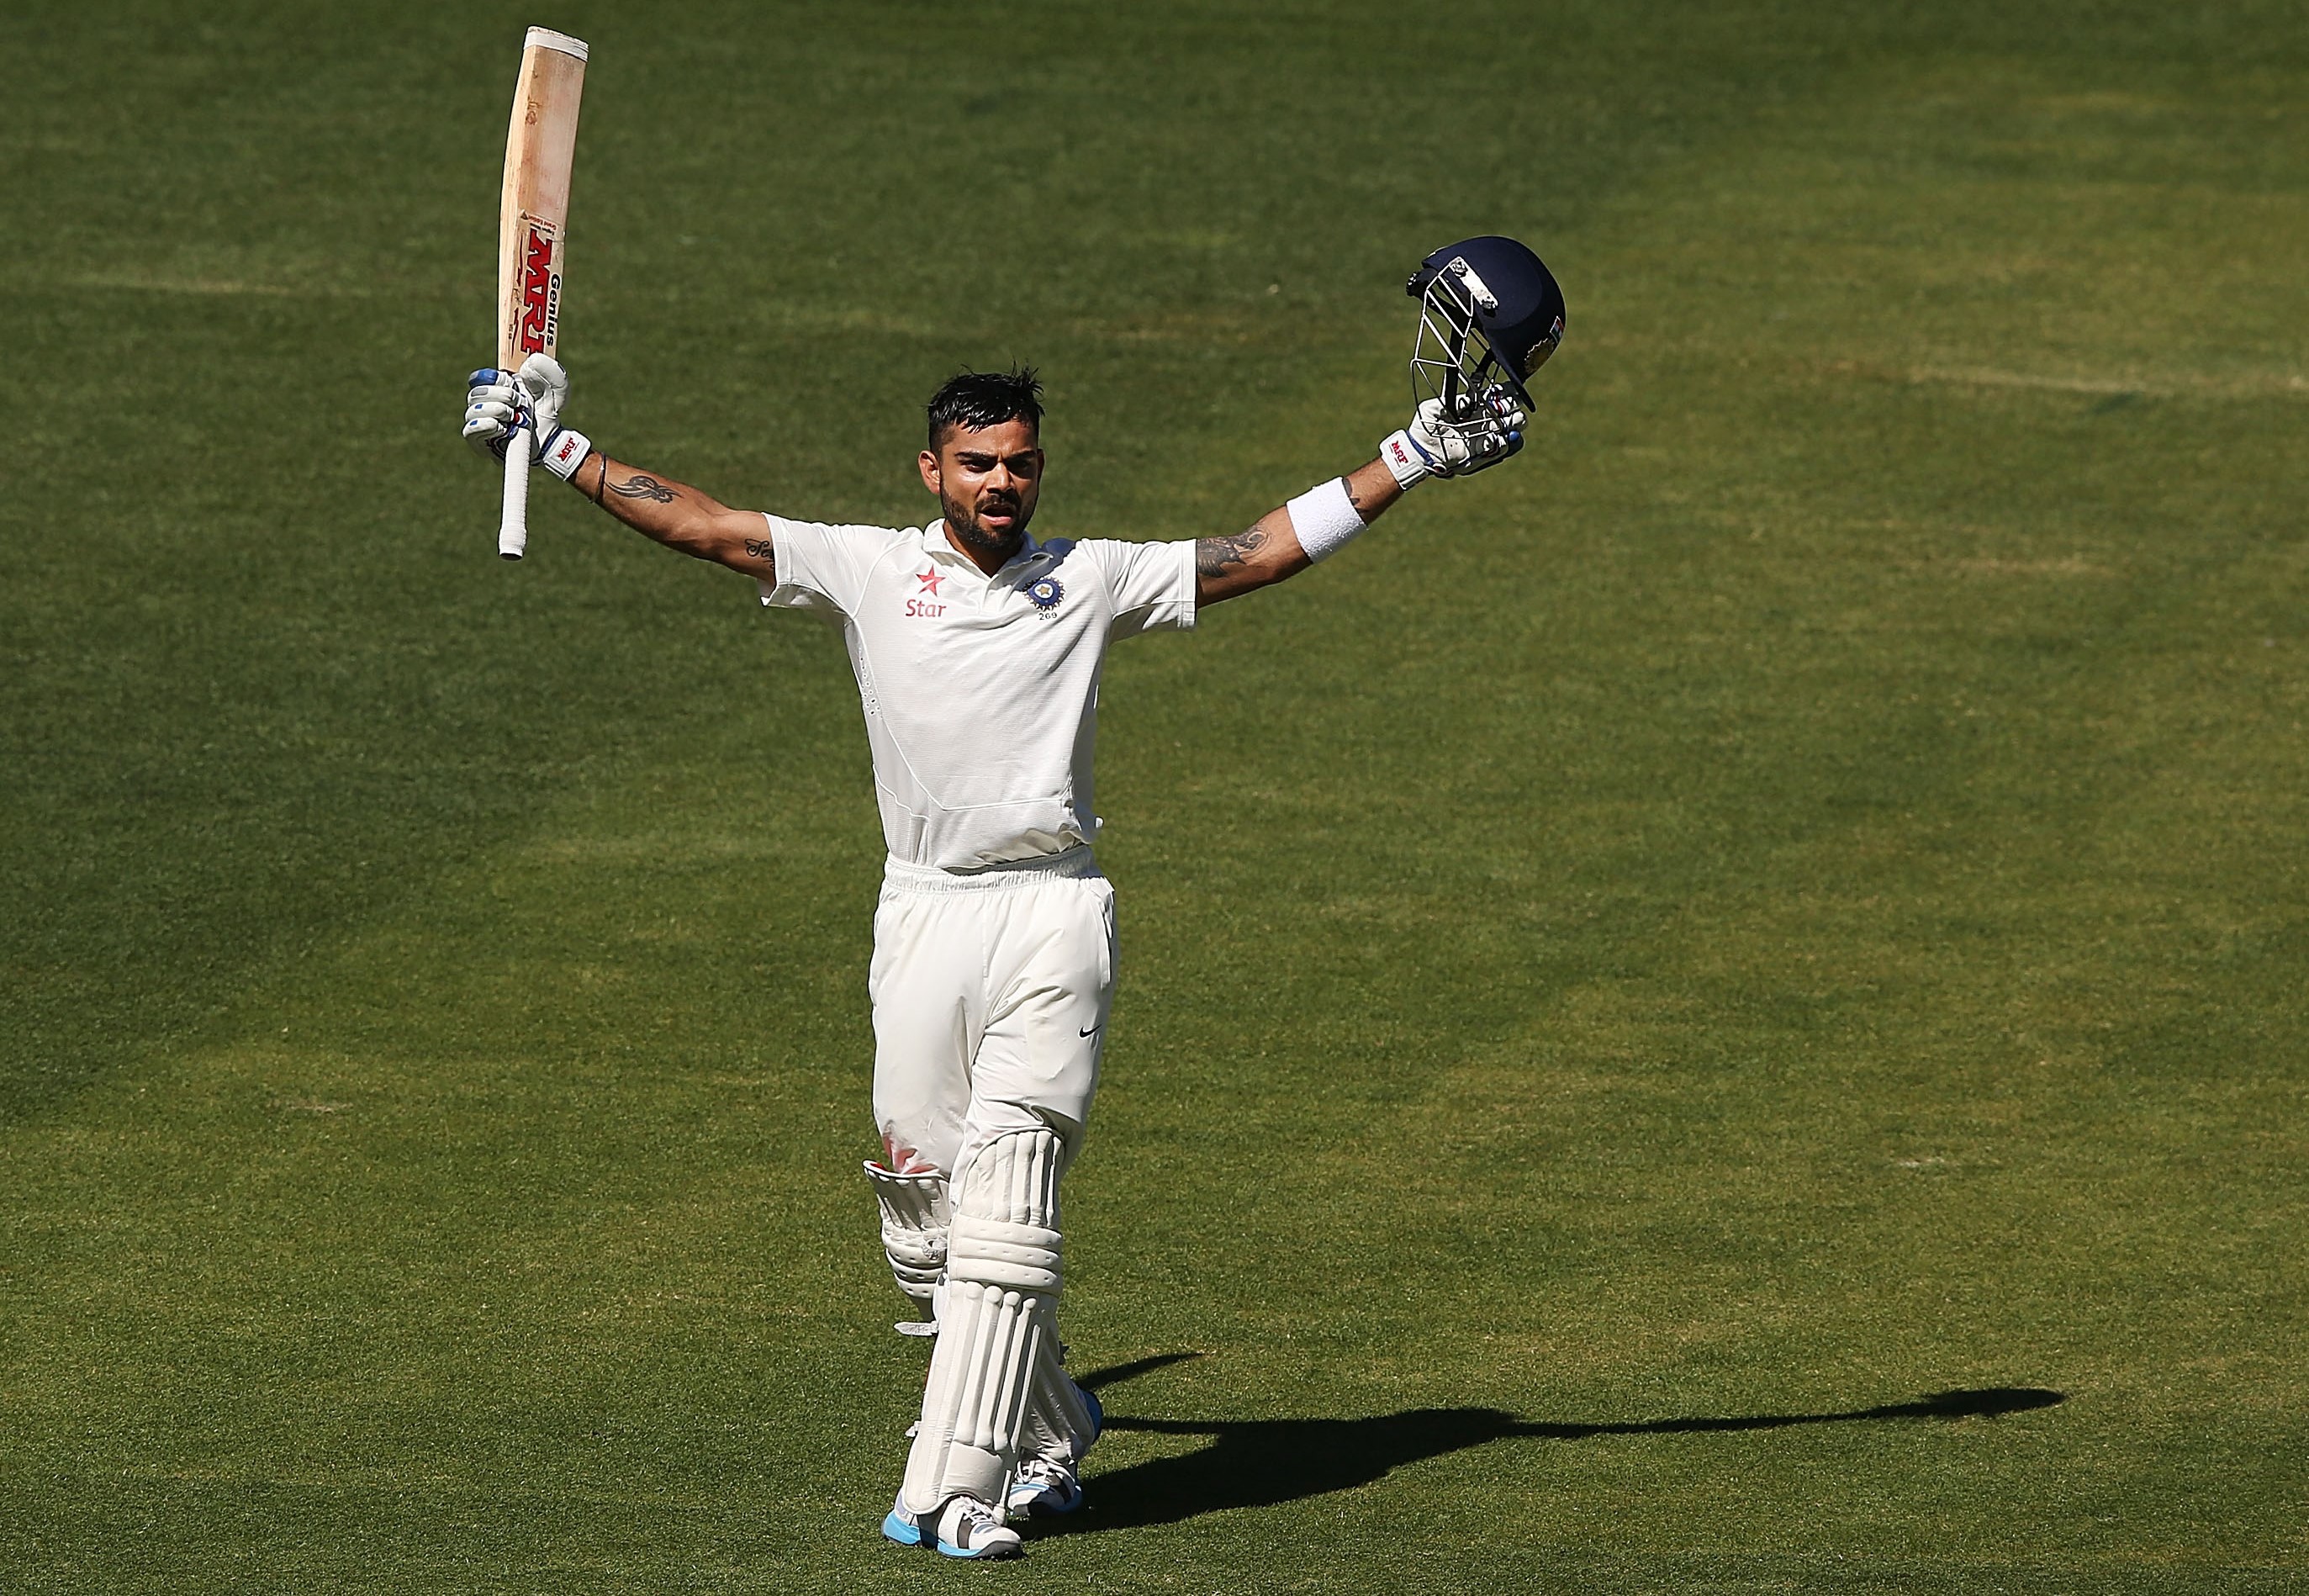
(1005, 1231)
(914, 1219)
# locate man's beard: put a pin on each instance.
(962, 520)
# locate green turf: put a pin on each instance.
(1784, 902)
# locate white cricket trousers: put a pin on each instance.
(990, 994)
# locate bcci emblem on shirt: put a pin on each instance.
(1045, 593)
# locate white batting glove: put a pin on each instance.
(494, 407)
(497, 402)
(1433, 447)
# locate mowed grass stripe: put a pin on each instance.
(1776, 905)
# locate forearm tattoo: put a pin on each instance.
(1215, 557)
(639, 486)
(760, 549)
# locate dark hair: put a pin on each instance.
(975, 399)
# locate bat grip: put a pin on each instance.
(513, 520)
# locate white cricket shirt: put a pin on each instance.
(980, 692)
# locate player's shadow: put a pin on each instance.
(1260, 1462)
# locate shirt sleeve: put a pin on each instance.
(821, 566)
(1152, 584)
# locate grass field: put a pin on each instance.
(1721, 1008)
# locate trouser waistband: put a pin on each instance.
(1075, 862)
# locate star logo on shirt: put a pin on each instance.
(929, 579)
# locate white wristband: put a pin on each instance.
(1405, 459)
(565, 452)
(1324, 519)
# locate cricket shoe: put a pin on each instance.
(958, 1527)
(1046, 1488)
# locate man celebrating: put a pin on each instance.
(977, 652)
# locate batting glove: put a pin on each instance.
(498, 402)
(1434, 447)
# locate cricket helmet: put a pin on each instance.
(1490, 314)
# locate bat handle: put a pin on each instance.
(513, 521)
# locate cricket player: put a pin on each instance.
(978, 649)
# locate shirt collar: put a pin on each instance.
(936, 544)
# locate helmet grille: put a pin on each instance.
(1452, 358)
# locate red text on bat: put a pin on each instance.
(537, 292)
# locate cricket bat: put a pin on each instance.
(532, 225)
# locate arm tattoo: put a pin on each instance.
(639, 486)
(1215, 557)
(760, 549)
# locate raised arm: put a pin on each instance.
(1269, 549)
(1285, 542)
(678, 516)
(660, 508)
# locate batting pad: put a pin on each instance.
(1058, 1428)
(913, 1228)
(997, 1325)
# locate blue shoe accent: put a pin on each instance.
(907, 1529)
(948, 1550)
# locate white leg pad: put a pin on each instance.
(1058, 1425)
(998, 1323)
(915, 1223)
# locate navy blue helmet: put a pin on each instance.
(1490, 314)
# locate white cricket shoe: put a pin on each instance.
(960, 1527)
(1044, 1487)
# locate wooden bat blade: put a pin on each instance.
(533, 212)
(533, 227)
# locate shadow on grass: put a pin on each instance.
(1260, 1462)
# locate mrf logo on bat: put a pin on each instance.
(540, 291)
